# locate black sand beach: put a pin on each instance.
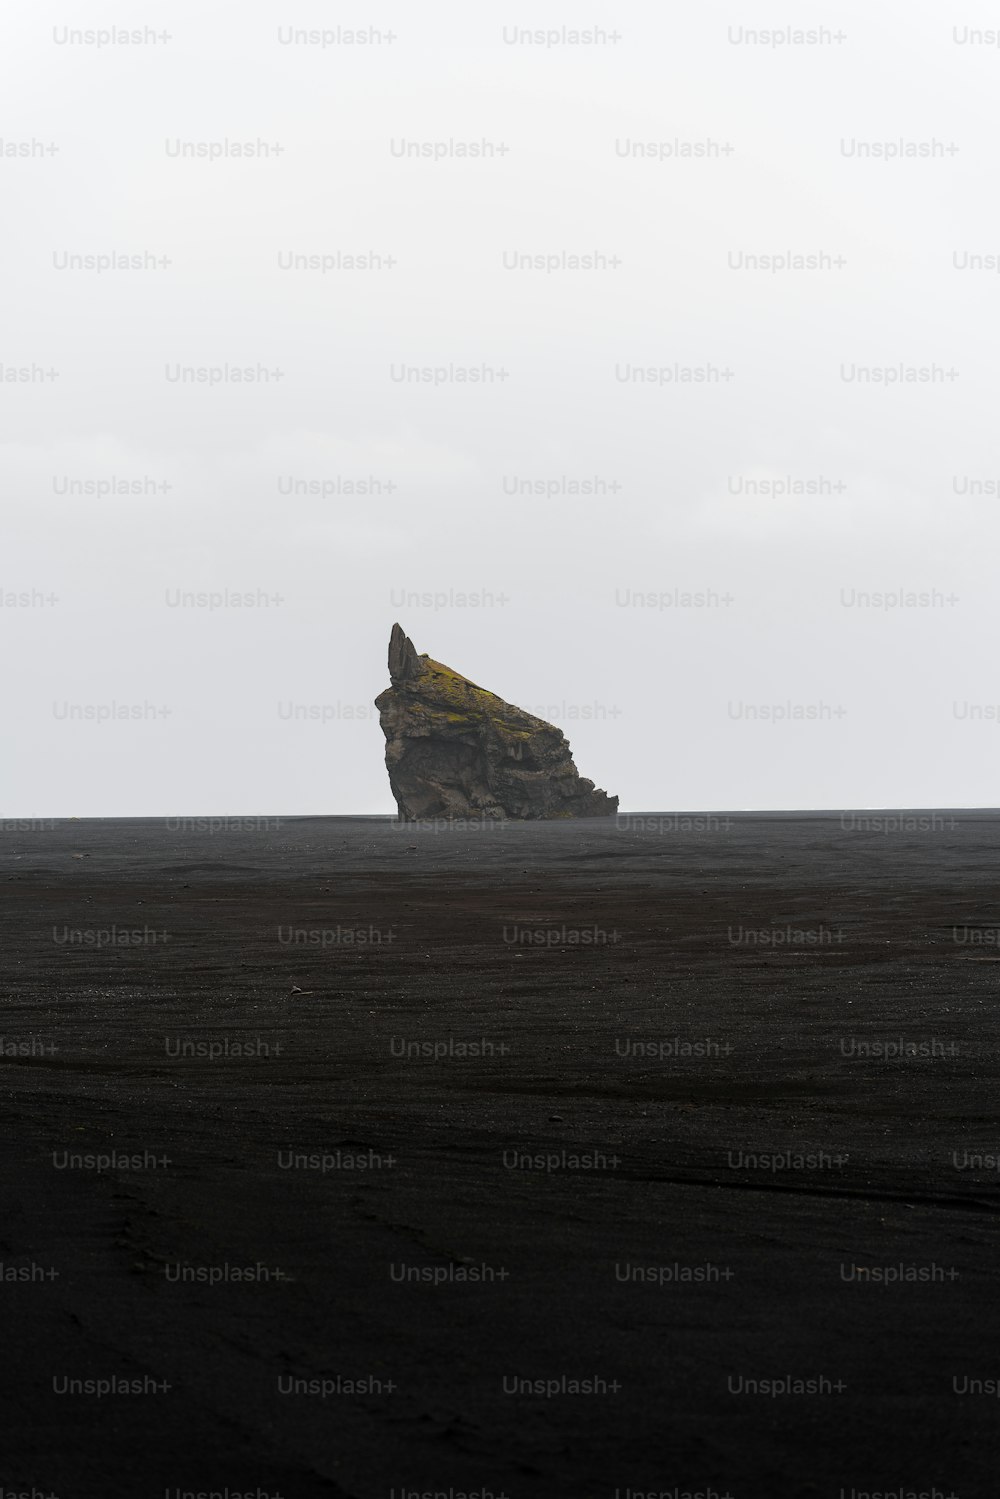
(654, 1110)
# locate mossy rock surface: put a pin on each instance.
(454, 748)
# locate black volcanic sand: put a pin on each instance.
(534, 1265)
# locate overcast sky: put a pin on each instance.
(677, 147)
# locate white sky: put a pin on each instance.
(666, 688)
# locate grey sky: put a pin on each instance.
(658, 700)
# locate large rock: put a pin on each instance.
(455, 750)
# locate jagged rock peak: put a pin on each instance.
(403, 659)
(455, 750)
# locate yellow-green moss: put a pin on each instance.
(464, 702)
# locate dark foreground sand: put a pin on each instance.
(456, 1262)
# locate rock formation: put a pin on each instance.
(455, 750)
